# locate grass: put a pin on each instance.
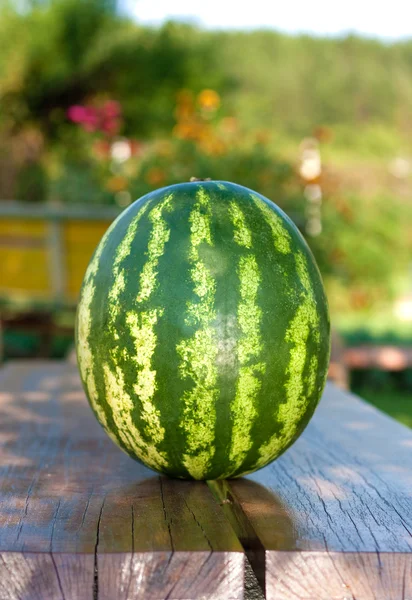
(395, 403)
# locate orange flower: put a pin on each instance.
(155, 176)
(188, 130)
(323, 133)
(101, 149)
(229, 125)
(185, 98)
(360, 298)
(164, 148)
(262, 137)
(185, 105)
(117, 183)
(212, 146)
(182, 130)
(209, 100)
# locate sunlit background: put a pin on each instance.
(307, 103)
(317, 17)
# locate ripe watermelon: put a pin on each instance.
(202, 331)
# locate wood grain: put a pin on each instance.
(81, 520)
(335, 520)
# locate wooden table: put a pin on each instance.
(79, 520)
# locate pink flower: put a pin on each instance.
(77, 113)
(110, 126)
(111, 109)
(106, 118)
(86, 116)
(91, 119)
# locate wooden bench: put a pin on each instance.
(79, 520)
(45, 249)
(44, 252)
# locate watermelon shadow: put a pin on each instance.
(261, 521)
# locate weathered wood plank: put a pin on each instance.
(334, 513)
(81, 520)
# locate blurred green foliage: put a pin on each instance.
(365, 247)
(59, 53)
(226, 105)
(56, 53)
(396, 403)
(389, 391)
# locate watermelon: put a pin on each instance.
(202, 331)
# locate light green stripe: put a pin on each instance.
(158, 238)
(313, 371)
(249, 346)
(141, 327)
(303, 274)
(199, 353)
(298, 390)
(142, 331)
(249, 313)
(84, 323)
(281, 236)
(221, 186)
(242, 234)
(122, 252)
(122, 408)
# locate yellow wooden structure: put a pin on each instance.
(45, 250)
